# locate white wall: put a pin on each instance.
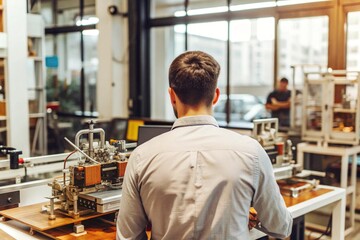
(113, 77)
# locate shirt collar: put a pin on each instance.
(194, 121)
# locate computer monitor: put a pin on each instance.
(147, 132)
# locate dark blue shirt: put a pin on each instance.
(282, 114)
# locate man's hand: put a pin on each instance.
(274, 101)
(279, 104)
(253, 220)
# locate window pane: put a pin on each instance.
(302, 41)
(353, 43)
(63, 82)
(197, 7)
(251, 67)
(173, 40)
(90, 67)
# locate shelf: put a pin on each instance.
(344, 110)
(317, 108)
(35, 58)
(36, 115)
(3, 118)
(36, 89)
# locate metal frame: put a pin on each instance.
(139, 58)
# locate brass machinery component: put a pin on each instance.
(102, 170)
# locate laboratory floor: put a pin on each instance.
(355, 235)
(320, 217)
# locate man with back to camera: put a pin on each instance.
(198, 181)
(278, 102)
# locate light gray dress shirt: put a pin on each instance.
(198, 181)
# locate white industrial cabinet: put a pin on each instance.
(331, 108)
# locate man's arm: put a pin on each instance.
(276, 220)
(280, 104)
(272, 107)
(132, 220)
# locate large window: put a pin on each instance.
(302, 41)
(242, 41)
(63, 82)
(353, 42)
(251, 69)
(252, 51)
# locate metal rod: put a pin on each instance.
(81, 151)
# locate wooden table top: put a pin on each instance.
(290, 201)
(95, 229)
(34, 217)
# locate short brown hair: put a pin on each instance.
(284, 80)
(193, 75)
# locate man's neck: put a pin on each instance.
(194, 111)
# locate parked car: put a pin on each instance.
(243, 108)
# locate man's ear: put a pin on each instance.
(216, 96)
(172, 96)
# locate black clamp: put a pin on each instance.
(14, 155)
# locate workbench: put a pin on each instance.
(305, 203)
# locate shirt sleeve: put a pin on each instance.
(276, 220)
(268, 99)
(132, 220)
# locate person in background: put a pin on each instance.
(198, 181)
(278, 102)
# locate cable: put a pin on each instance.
(65, 164)
(328, 229)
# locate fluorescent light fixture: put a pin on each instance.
(90, 32)
(201, 11)
(179, 13)
(207, 10)
(87, 21)
(252, 6)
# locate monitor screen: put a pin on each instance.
(147, 132)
